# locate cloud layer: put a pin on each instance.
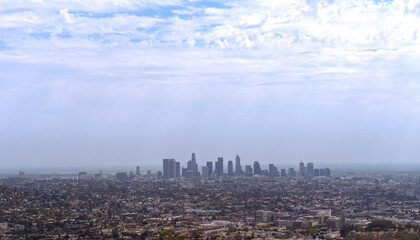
(144, 69)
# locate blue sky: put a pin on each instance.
(109, 82)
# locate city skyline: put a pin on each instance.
(210, 119)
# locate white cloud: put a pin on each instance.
(263, 39)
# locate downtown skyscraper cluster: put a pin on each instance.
(172, 169)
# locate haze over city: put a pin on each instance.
(104, 83)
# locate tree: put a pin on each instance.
(380, 225)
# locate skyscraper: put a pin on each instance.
(138, 170)
(327, 172)
(316, 172)
(283, 173)
(219, 167)
(171, 169)
(257, 167)
(272, 170)
(238, 167)
(205, 172)
(210, 168)
(310, 170)
(177, 169)
(248, 170)
(192, 168)
(192, 164)
(292, 172)
(302, 170)
(230, 168)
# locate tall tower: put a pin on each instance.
(177, 170)
(238, 167)
(248, 170)
(192, 164)
(310, 170)
(205, 172)
(210, 168)
(171, 168)
(219, 167)
(230, 168)
(272, 170)
(138, 170)
(301, 169)
(327, 172)
(257, 167)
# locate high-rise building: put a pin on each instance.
(192, 168)
(166, 170)
(138, 170)
(205, 172)
(177, 169)
(192, 164)
(219, 167)
(171, 169)
(310, 170)
(248, 170)
(21, 174)
(257, 167)
(283, 173)
(210, 168)
(316, 172)
(121, 176)
(327, 172)
(272, 171)
(82, 174)
(302, 170)
(322, 172)
(238, 167)
(230, 168)
(292, 172)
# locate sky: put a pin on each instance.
(124, 82)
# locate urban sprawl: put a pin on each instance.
(185, 203)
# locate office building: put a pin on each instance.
(230, 168)
(310, 170)
(238, 167)
(219, 167)
(262, 216)
(210, 168)
(257, 167)
(177, 169)
(81, 174)
(316, 172)
(192, 164)
(171, 169)
(322, 172)
(292, 172)
(138, 170)
(121, 176)
(205, 172)
(272, 171)
(283, 173)
(21, 174)
(302, 169)
(327, 172)
(248, 170)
